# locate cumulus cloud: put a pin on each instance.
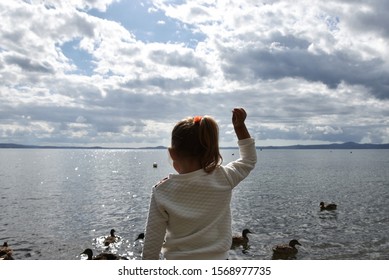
(305, 71)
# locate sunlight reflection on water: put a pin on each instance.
(56, 203)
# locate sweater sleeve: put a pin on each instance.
(155, 230)
(237, 170)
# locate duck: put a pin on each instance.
(110, 239)
(6, 252)
(102, 256)
(241, 240)
(330, 206)
(141, 236)
(285, 251)
(137, 245)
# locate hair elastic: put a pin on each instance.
(197, 119)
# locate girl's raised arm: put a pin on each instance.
(238, 117)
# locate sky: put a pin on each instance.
(122, 73)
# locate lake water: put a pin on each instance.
(57, 202)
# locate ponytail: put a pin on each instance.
(209, 139)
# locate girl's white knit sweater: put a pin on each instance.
(190, 216)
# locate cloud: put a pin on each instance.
(283, 62)
(122, 73)
(260, 46)
(100, 5)
(186, 59)
(28, 64)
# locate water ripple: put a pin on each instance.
(56, 203)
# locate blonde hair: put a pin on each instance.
(198, 138)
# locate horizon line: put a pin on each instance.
(345, 145)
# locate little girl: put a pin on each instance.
(189, 215)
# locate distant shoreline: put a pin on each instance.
(334, 146)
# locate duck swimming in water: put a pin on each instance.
(110, 239)
(102, 256)
(285, 251)
(241, 240)
(6, 252)
(141, 236)
(330, 206)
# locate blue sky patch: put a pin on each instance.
(149, 26)
(82, 59)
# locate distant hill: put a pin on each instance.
(19, 146)
(347, 145)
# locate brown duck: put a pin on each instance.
(285, 251)
(330, 206)
(112, 238)
(241, 240)
(6, 252)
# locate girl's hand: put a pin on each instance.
(238, 117)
